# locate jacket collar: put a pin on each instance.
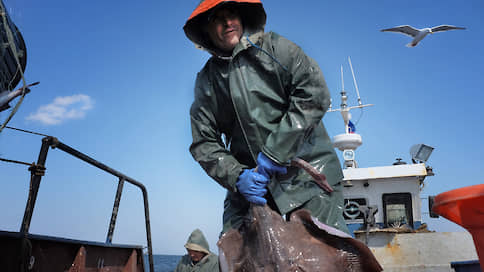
(243, 44)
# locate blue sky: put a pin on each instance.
(116, 82)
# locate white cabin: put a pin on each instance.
(392, 193)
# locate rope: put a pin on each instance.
(19, 67)
(13, 161)
(267, 53)
(27, 131)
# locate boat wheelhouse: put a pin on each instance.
(383, 207)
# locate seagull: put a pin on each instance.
(419, 34)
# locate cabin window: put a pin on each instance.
(397, 210)
(352, 208)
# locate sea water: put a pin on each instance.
(162, 263)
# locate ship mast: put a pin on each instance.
(348, 141)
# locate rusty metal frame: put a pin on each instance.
(37, 175)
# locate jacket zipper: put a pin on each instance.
(238, 117)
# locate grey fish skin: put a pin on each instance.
(268, 243)
(6, 97)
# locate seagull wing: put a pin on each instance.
(405, 29)
(445, 28)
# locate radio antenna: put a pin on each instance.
(354, 80)
(349, 140)
(342, 80)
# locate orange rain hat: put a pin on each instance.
(251, 11)
(209, 4)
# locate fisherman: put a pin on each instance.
(258, 104)
(199, 257)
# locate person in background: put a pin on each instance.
(258, 104)
(199, 258)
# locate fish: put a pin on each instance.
(6, 96)
(266, 242)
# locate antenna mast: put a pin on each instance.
(342, 80)
(354, 80)
(348, 141)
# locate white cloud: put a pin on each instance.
(62, 109)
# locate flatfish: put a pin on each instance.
(268, 243)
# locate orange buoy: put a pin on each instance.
(465, 206)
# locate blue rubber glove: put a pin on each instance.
(267, 167)
(252, 186)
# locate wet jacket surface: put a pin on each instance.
(197, 242)
(208, 264)
(269, 97)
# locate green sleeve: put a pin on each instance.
(182, 264)
(207, 147)
(309, 99)
(212, 265)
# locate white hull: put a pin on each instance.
(420, 252)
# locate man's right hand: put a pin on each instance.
(252, 186)
(267, 167)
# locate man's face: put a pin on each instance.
(225, 29)
(196, 256)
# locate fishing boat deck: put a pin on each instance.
(30, 252)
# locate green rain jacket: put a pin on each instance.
(269, 97)
(209, 263)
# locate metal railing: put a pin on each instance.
(37, 171)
